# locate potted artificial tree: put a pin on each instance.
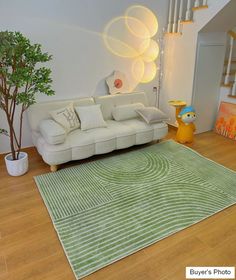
(20, 80)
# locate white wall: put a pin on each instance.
(71, 30)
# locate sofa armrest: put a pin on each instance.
(52, 132)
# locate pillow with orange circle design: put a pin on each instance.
(117, 83)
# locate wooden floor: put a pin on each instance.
(30, 249)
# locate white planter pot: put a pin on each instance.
(17, 167)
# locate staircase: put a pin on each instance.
(229, 74)
(181, 12)
(186, 19)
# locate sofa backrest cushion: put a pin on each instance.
(40, 111)
(126, 112)
(108, 102)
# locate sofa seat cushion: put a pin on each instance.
(159, 130)
(67, 151)
(52, 154)
(143, 131)
(159, 125)
(96, 140)
(94, 135)
(125, 135)
(147, 132)
(120, 129)
(138, 125)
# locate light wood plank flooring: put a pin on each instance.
(30, 249)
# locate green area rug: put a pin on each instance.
(109, 208)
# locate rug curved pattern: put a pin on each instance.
(110, 208)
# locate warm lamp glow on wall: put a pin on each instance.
(131, 36)
(138, 69)
(147, 17)
(151, 53)
(143, 72)
(150, 70)
(121, 42)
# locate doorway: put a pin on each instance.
(206, 90)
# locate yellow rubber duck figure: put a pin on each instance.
(185, 118)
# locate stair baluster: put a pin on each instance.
(189, 11)
(169, 27)
(233, 93)
(180, 16)
(204, 3)
(227, 76)
(175, 17)
(196, 3)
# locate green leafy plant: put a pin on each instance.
(20, 80)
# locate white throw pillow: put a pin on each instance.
(66, 117)
(90, 116)
(152, 115)
(126, 112)
(52, 132)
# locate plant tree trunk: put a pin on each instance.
(11, 134)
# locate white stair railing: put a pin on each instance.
(169, 27)
(227, 76)
(180, 16)
(175, 22)
(175, 15)
(196, 3)
(233, 93)
(177, 9)
(188, 14)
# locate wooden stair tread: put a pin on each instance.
(231, 96)
(233, 61)
(230, 73)
(173, 33)
(232, 34)
(230, 85)
(186, 21)
(200, 8)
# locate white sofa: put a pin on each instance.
(80, 144)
